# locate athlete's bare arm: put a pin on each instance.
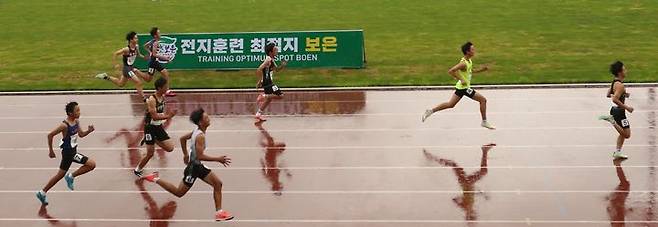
(183, 145)
(281, 67)
(200, 146)
(259, 71)
(116, 54)
(454, 69)
(82, 134)
(481, 69)
(150, 103)
(147, 47)
(616, 98)
(139, 53)
(59, 129)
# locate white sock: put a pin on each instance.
(137, 169)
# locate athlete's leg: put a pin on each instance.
(454, 99)
(167, 145)
(88, 166)
(483, 105)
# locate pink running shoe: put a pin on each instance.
(259, 117)
(152, 177)
(223, 215)
(170, 93)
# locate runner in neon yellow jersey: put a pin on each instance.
(463, 72)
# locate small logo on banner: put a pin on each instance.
(167, 47)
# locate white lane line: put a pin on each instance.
(345, 168)
(314, 192)
(87, 149)
(336, 221)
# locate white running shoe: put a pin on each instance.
(619, 155)
(488, 125)
(607, 118)
(102, 76)
(427, 114)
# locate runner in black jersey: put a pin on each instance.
(128, 71)
(266, 73)
(152, 47)
(70, 130)
(617, 116)
(155, 116)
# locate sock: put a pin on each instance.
(42, 192)
(137, 169)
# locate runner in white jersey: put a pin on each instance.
(195, 169)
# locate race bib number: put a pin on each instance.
(624, 123)
(131, 74)
(151, 70)
(78, 157)
(74, 141)
(148, 137)
(275, 88)
(189, 179)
